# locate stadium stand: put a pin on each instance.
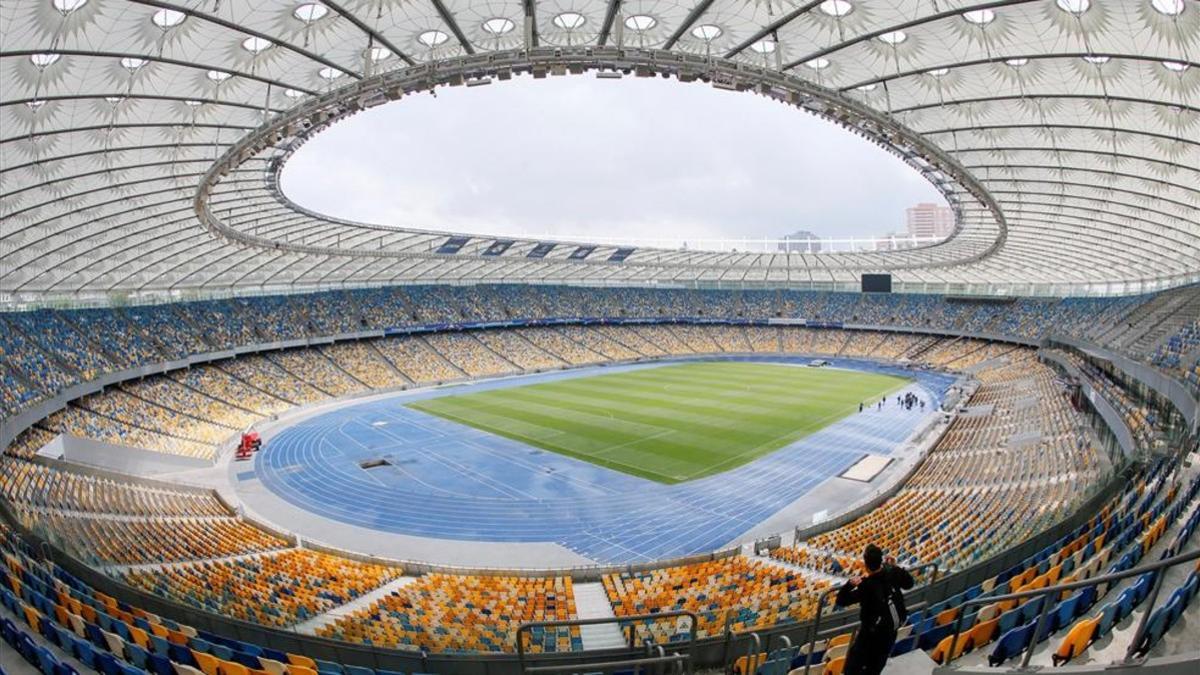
(462, 613)
(274, 589)
(1013, 463)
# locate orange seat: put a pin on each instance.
(301, 660)
(1076, 640)
(208, 663)
(835, 666)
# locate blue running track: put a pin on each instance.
(449, 481)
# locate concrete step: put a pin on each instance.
(591, 602)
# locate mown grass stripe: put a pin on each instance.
(669, 423)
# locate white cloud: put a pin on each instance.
(585, 158)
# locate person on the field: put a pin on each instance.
(882, 612)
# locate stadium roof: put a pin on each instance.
(141, 140)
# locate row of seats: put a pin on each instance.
(463, 613)
(734, 592)
(994, 478)
(42, 486)
(115, 638)
(47, 350)
(121, 541)
(274, 589)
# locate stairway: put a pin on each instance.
(310, 626)
(591, 602)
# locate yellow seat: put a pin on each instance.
(1076, 640)
(208, 663)
(835, 666)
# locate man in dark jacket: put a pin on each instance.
(881, 613)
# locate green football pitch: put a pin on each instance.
(669, 423)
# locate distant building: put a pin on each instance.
(930, 220)
(800, 241)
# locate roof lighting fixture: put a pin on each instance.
(168, 18)
(43, 60)
(1017, 63)
(765, 46)
(836, 8)
(707, 32)
(1097, 59)
(293, 93)
(819, 63)
(432, 38)
(193, 103)
(979, 17)
(256, 45)
(329, 73)
(310, 12)
(569, 20)
(1076, 7)
(870, 86)
(640, 22)
(498, 26)
(894, 37)
(35, 104)
(218, 75)
(114, 100)
(67, 6)
(938, 72)
(132, 63)
(1168, 7)
(378, 54)
(1176, 66)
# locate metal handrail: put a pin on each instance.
(1074, 585)
(648, 659)
(816, 626)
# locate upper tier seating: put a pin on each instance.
(45, 351)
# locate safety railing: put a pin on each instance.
(1049, 592)
(656, 661)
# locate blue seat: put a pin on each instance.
(247, 660)
(357, 670)
(181, 654)
(46, 661)
(1011, 643)
(160, 665)
(82, 650)
(904, 646)
(222, 652)
(107, 664)
(327, 667)
(137, 655)
(1067, 610)
(159, 645)
(1155, 627)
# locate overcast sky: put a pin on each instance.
(585, 158)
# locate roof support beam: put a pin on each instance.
(693, 16)
(531, 31)
(202, 16)
(448, 17)
(770, 28)
(374, 34)
(610, 16)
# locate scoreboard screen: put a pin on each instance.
(876, 283)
